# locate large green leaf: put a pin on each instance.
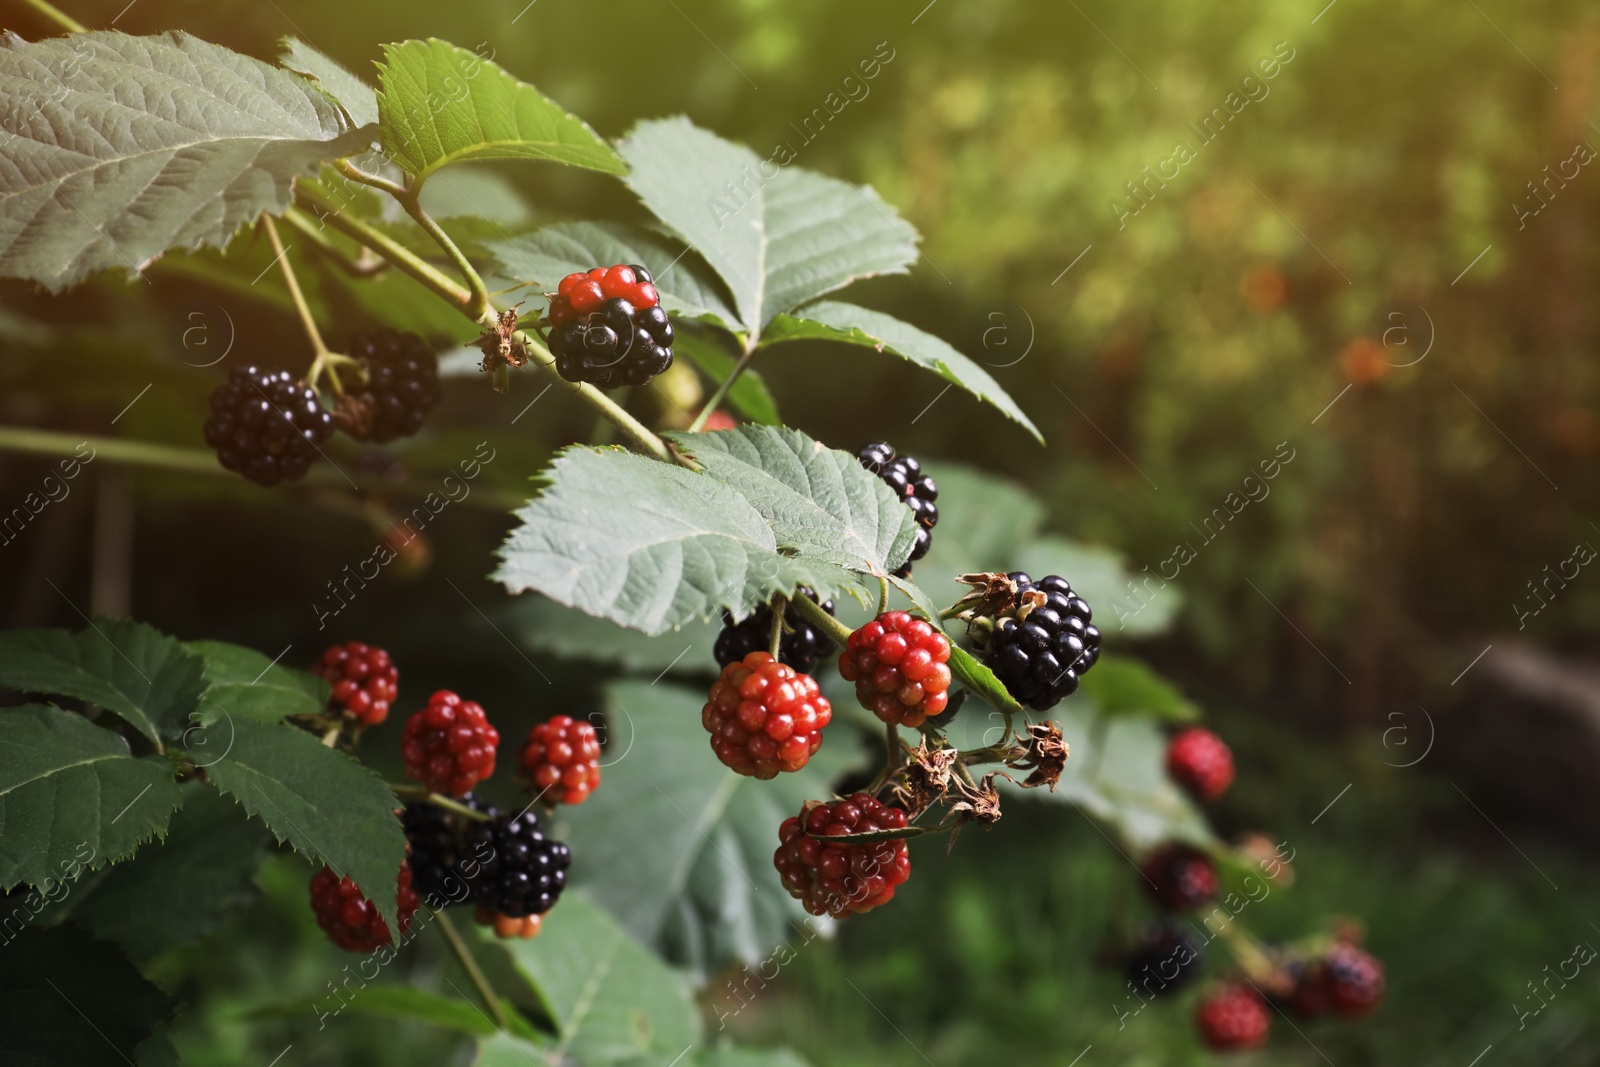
(821, 502)
(613, 1002)
(66, 998)
(241, 683)
(359, 100)
(181, 890)
(131, 146)
(749, 395)
(328, 806)
(411, 1004)
(1120, 685)
(441, 104)
(547, 255)
(72, 796)
(678, 847)
(778, 235)
(835, 321)
(542, 625)
(128, 668)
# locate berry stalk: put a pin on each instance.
(836, 630)
(479, 980)
(324, 357)
(721, 391)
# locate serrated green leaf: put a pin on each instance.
(749, 395)
(481, 195)
(135, 145)
(779, 236)
(441, 104)
(545, 256)
(1125, 605)
(67, 998)
(981, 680)
(649, 545)
(128, 668)
(1120, 685)
(359, 100)
(821, 502)
(832, 320)
(242, 683)
(542, 625)
(184, 888)
(678, 847)
(612, 1000)
(328, 806)
(72, 796)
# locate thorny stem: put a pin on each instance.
(721, 392)
(470, 965)
(59, 17)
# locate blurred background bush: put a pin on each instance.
(1378, 260)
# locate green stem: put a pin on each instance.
(324, 358)
(777, 625)
(637, 433)
(402, 257)
(363, 266)
(721, 391)
(142, 453)
(883, 594)
(838, 631)
(59, 17)
(474, 972)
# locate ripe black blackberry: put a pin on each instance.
(1169, 957)
(402, 386)
(523, 872)
(904, 475)
(1040, 652)
(608, 328)
(445, 869)
(266, 425)
(800, 647)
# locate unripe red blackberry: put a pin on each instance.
(1200, 762)
(449, 745)
(1235, 1017)
(904, 475)
(1040, 652)
(832, 878)
(801, 645)
(364, 680)
(402, 386)
(349, 919)
(1180, 877)
(561, 760)
(764, 717)
(607, 327)
(900, 667)
(265, 425)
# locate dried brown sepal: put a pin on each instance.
(1030, 601)
(501, 346)
(1044, 753)
(977, 802)
(924, 780)
(992, 594)
(353, 414)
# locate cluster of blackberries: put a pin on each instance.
(268, 426)
(608, 328)
(904, 475)
(503, 863)
(1039, 651)
(265, 425)
(801, 645)
(401, 388)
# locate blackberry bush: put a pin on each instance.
(266, 425)
(607, 327)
